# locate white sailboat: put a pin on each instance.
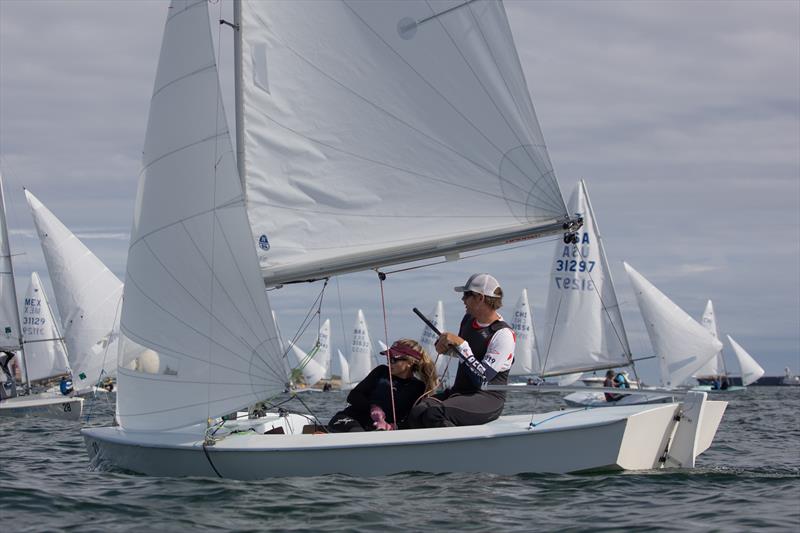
(45, 354)
(344, 370)
(88, 296)
(750, 369)
(526, 353)
(11, 340)
(584, 325)
(355, 118)
(681, 345)
(315, 364)
(360, 363)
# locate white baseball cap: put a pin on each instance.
(481, 284)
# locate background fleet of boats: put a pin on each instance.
(83, 347)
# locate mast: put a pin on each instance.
(238, 91)
(6, 251)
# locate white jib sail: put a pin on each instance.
(584, 326)
(360, 350)
(715, 367)
(344, 369)
(526, 353)
(445, 366)
(10, 332)
(680, 343)
(751, 370)
(198, 337)
(88, 296)
(360, 116)
(45, 355)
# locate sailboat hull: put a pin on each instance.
(63, 408)
(580, 440)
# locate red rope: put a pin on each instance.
(388, 355)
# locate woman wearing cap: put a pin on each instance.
(485, 349)
(371, 400)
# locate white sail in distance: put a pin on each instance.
(10, 332)
(45, 355)
(716, 366)
(680, 343)
(310, 368)
(344, 370)
(320, 353)
(751, 370)
(583, 328)
(446, 366)
(526, 353)
(359, 116)
(360, 349)
(198, 337)
(88, 296)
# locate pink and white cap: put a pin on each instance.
(481, 284)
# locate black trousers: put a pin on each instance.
(449, 410)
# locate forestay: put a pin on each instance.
(88, 296)
(9, 313)
(198, 339)
(680, 343)
(751, 370)
(716, 366)
(583, 328)
(382, 132)
(45, 356)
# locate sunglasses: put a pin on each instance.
(394, 359)
(468, 294)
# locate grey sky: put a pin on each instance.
(683, 117)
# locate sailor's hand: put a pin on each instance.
(447, 341)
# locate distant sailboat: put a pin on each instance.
(45, 354)
(12, 340)
(682, 345)
(354, 120)
(583, 329)
(361, 352)
(316, 363)
(715, 370)
(526, 353)
(88, 296)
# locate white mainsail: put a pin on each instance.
(360, 350)
(526, 353)
(88, 296)
(45, 355)
(445, 366)
(716, 366)
(680, 343)
(751, 370)
(10, 332)
(358, 118)
(583, 329)
(198, 337)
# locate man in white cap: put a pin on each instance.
(485, 348)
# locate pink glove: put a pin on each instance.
(379, 419)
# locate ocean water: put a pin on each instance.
(748, 479)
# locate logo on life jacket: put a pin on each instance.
(263, 242)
